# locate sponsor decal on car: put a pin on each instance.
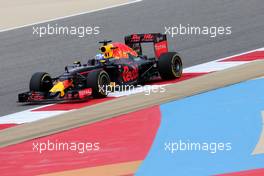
(130, 74)
(85, 93)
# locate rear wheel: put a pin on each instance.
(170, 65)
(40, 82)
(99, 81)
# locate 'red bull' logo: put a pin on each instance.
(135, 38)
(130, 74)
(148, 37)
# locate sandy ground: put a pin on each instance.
(23, 12)
(107, 170)
(260, 146)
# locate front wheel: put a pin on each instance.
(170, 66)
(99, 81)
(40, 82)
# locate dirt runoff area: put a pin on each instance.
(18, 13)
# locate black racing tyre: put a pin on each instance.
(40, 82)
(170, 66)
(99, 81)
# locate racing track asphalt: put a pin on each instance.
(22, 53)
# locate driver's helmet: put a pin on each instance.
(99, 57)
(77, 64)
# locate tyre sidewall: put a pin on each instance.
(170, 65)
(97, 79)
(37, 82)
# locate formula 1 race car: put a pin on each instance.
(117, 64)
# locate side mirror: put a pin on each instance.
(77, 62)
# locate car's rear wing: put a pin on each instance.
(159, 42)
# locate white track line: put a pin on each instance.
(213, 66)
(29, 116)
(73, 15)
(216, 65)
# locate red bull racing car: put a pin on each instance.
(117, 64)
